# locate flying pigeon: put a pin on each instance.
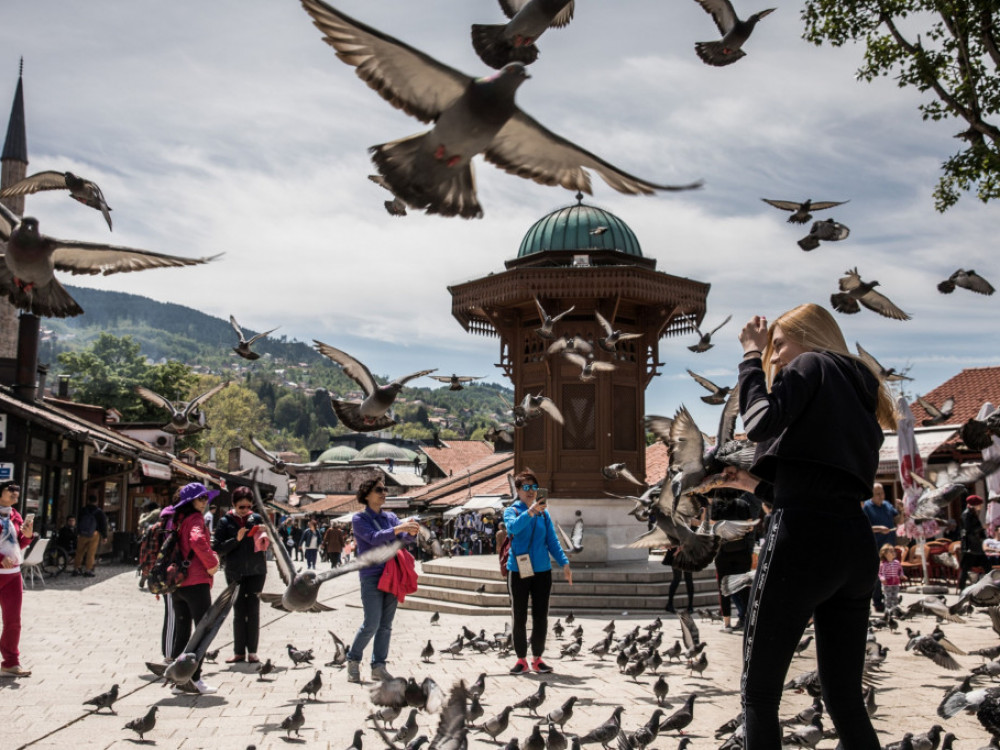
(399, 692)
(243, 348)
(278, 466)
(966, 279)
(181, 412)
(80, 189)
(302, 588)
(827, 230)
(26, 274)
(801, 211)
(854, 291)
(937, 414)
(620, 471)
(611, 337)
(532, 407)
(889, 375)
(734, 32)
(589, 367)
(978, 433)
(705, 339)
(716, 395)
(370, 414)
(455, 382)
(433, 170)
(144, 723)
(570, 344)
(395, 207)
(549, 321)
(181, 670)
(498, 45)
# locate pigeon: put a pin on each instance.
(278, 466)
(607, 731)
(264, 669)
(935, 498)
(937, 414)
(589, 367)
(477, 688)
(716, 395)
(570, 345)
(456, 382)
(635, 668)
(983, 593)
(562, 714)
(805, 715)
(496, 725)
(679, 719)
(454, 648)
(826, 230)
(299, 656)
(498, 45)
(104, 700)
(26, 273)
(705, 339)
(452, 730)
(502, 439)
(612, 472)
(571, 649)
(80, 189)
(966, 279)
(433, 170)
(643, 736)
(144, 723)
(570, 618)
(855, 292)
(549, 321)
(370, 414)
(386, 715)
(399, 692)
(475, 711)
(302, 588)
(925, 645)
(807, 736)
(436, 618)
(532, 407)
(183, 420)
(395, 207)
(608, 342)
(409, 729)
(963, 698)
(735, 33)
(802, 645)
(698, 665)
(674, 652)
(978, 434)
(889, 375)
(730, 584)
(211, 656)
(660, 689)
(557, 630)
(339, 652)
(313, 686)
(243, 347)
(555, 739)
(801, 211)
(427, 652)
(602, 647)
(533, 701)
(356, 743)
(535, 740)
(182, 669)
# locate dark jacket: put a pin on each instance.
(91, 520)
(238, 557)
(818, 417)
(973, 533)
(742, 507)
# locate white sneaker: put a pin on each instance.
(205, 689)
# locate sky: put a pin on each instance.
(231, 127)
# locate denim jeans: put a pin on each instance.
(380, 609)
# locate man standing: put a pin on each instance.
(333, 543)
(973, 536)
(91, 530)
(882, 517)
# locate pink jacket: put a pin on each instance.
(194, 536)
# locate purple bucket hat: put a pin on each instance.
(192, 491)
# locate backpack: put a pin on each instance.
(170, 568)
(503, 553)
(149, 548)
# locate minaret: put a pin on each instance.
(13, 168)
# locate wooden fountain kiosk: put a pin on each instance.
(586, 258)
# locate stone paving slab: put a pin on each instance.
(82, 635)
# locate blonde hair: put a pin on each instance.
(814, 328)
(884, 549)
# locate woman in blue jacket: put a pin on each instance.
(533, 534)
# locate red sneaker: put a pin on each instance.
(520, 668)
(540, 666)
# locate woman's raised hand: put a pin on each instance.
(753, 336)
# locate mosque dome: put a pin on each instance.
(382, 451)
(337, 454)
(580, 228)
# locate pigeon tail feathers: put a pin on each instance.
(495, 50)
(717, 53)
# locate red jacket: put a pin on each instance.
(194, 536)
(399, 576)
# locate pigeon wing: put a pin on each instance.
(725, 18)
(452, 727)
(689, 631)
(687, 446)
(404, 76)
(823, 205)
(155, 398)
(236, 327)
(868, 359)
(547, 405)
(851, 281)
(390, 693)
(526, 148)
(94, 258)
(434, 695)
(659, 426)
(210, 623)
(564, 16)
(282, 558)
(511, 7)
(783, 205)
(414, 376)
(8, 220)
(728, 318)
(605, 325)
(704, 382)
(375, 556)
(881, 304)
(976, 283)
(257, 444)
(49, 180)
(354, 369)
(727, 420)
(259, 336)
(204, 397)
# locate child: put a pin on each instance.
(890, 573)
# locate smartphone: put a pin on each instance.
(542, 497)
(30, 518)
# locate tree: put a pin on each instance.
(233, 414)
(945, 48)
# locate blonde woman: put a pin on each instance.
(816, 413)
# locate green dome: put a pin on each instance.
(571, 228)
(380, 451)
(337, 454)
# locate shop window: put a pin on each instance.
(39, 448)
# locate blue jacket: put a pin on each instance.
(534, 535)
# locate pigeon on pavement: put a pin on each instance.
(104, 700)
(433, 170)
(294, 722)
(313, 686)
(533, 701)
(144, 723)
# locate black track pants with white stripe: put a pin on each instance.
(817, 564)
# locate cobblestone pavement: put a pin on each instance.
(81, 635)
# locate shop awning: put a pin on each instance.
(929, 439)
(154, 470)
(482, 504)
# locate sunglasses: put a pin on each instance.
(529, 487)
(379, 490)
(244, 507)
(14, 489)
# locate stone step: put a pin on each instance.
(579, 588)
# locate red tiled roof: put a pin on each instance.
(335, 505)
(657, 462)
(456, 455)
(482, 477)
(491, 486)
(971, 388)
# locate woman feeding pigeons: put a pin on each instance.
(815, 412)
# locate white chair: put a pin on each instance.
(32, 564)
